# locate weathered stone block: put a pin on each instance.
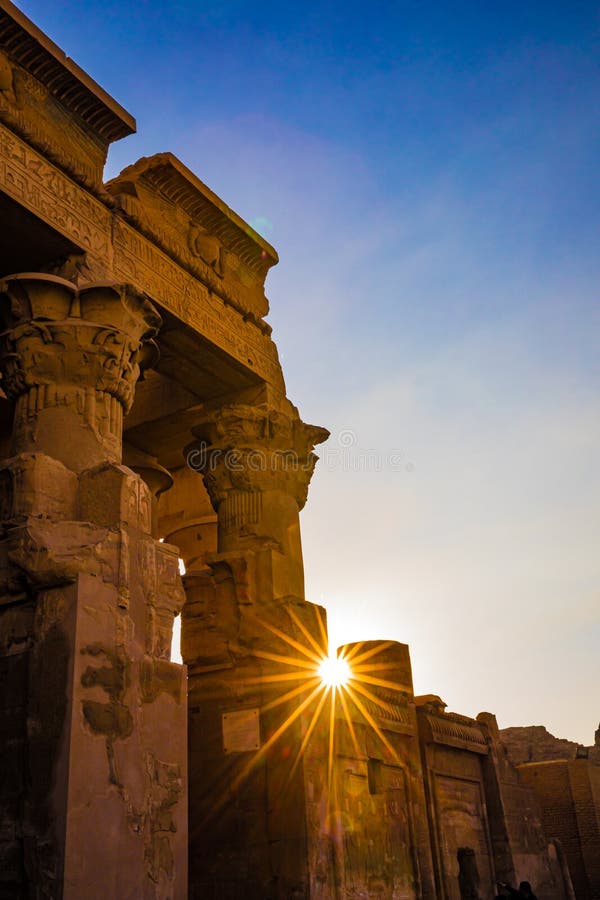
(114, 496)
(35, 485)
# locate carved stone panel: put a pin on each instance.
(378, 856)
(31, 179)
(462, 825)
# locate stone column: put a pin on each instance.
(252, 644)
(97, 805)
(158, 479)
(187, 519)
(257, 462)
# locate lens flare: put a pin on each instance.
(334, 671)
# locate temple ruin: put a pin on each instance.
(145, 421)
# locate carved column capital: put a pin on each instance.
(254, 449)
(257, 462)
(71, 357)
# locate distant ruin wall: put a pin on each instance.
(534, 743)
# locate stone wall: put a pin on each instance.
(534, 743)
(569, 793)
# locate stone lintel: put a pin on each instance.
(65, 80)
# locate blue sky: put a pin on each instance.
(428, 174)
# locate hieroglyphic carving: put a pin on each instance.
(382, 867)
(158, 573)
(43, 189)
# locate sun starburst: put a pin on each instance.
(320, 692)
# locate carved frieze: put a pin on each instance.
(32, 180)
(392, 714)
(145, 265)
(454, 731)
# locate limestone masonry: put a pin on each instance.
(144, 421)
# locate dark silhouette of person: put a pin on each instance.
(524, 891)
(468, 874)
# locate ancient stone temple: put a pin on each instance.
(145, 431)
(565, 777)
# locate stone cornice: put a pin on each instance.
(65, 80)
(453, 731)
(392, 713)
(176, 182)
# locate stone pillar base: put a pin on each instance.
(251, 701)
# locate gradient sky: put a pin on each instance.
(429, 175)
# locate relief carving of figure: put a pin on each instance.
(206, 247)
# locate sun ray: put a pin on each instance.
(310, 682)
(273, 679)
(289, 640)
(360, 705)
(352, 651)
(288, 660)
(350, 723)
(234, 785)
(333, 692)
(313, 722)
(322, 627)
(384, 704)
(382, 682)
(371, 667)
(309, 637)
(372, 651)
(275, 736)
